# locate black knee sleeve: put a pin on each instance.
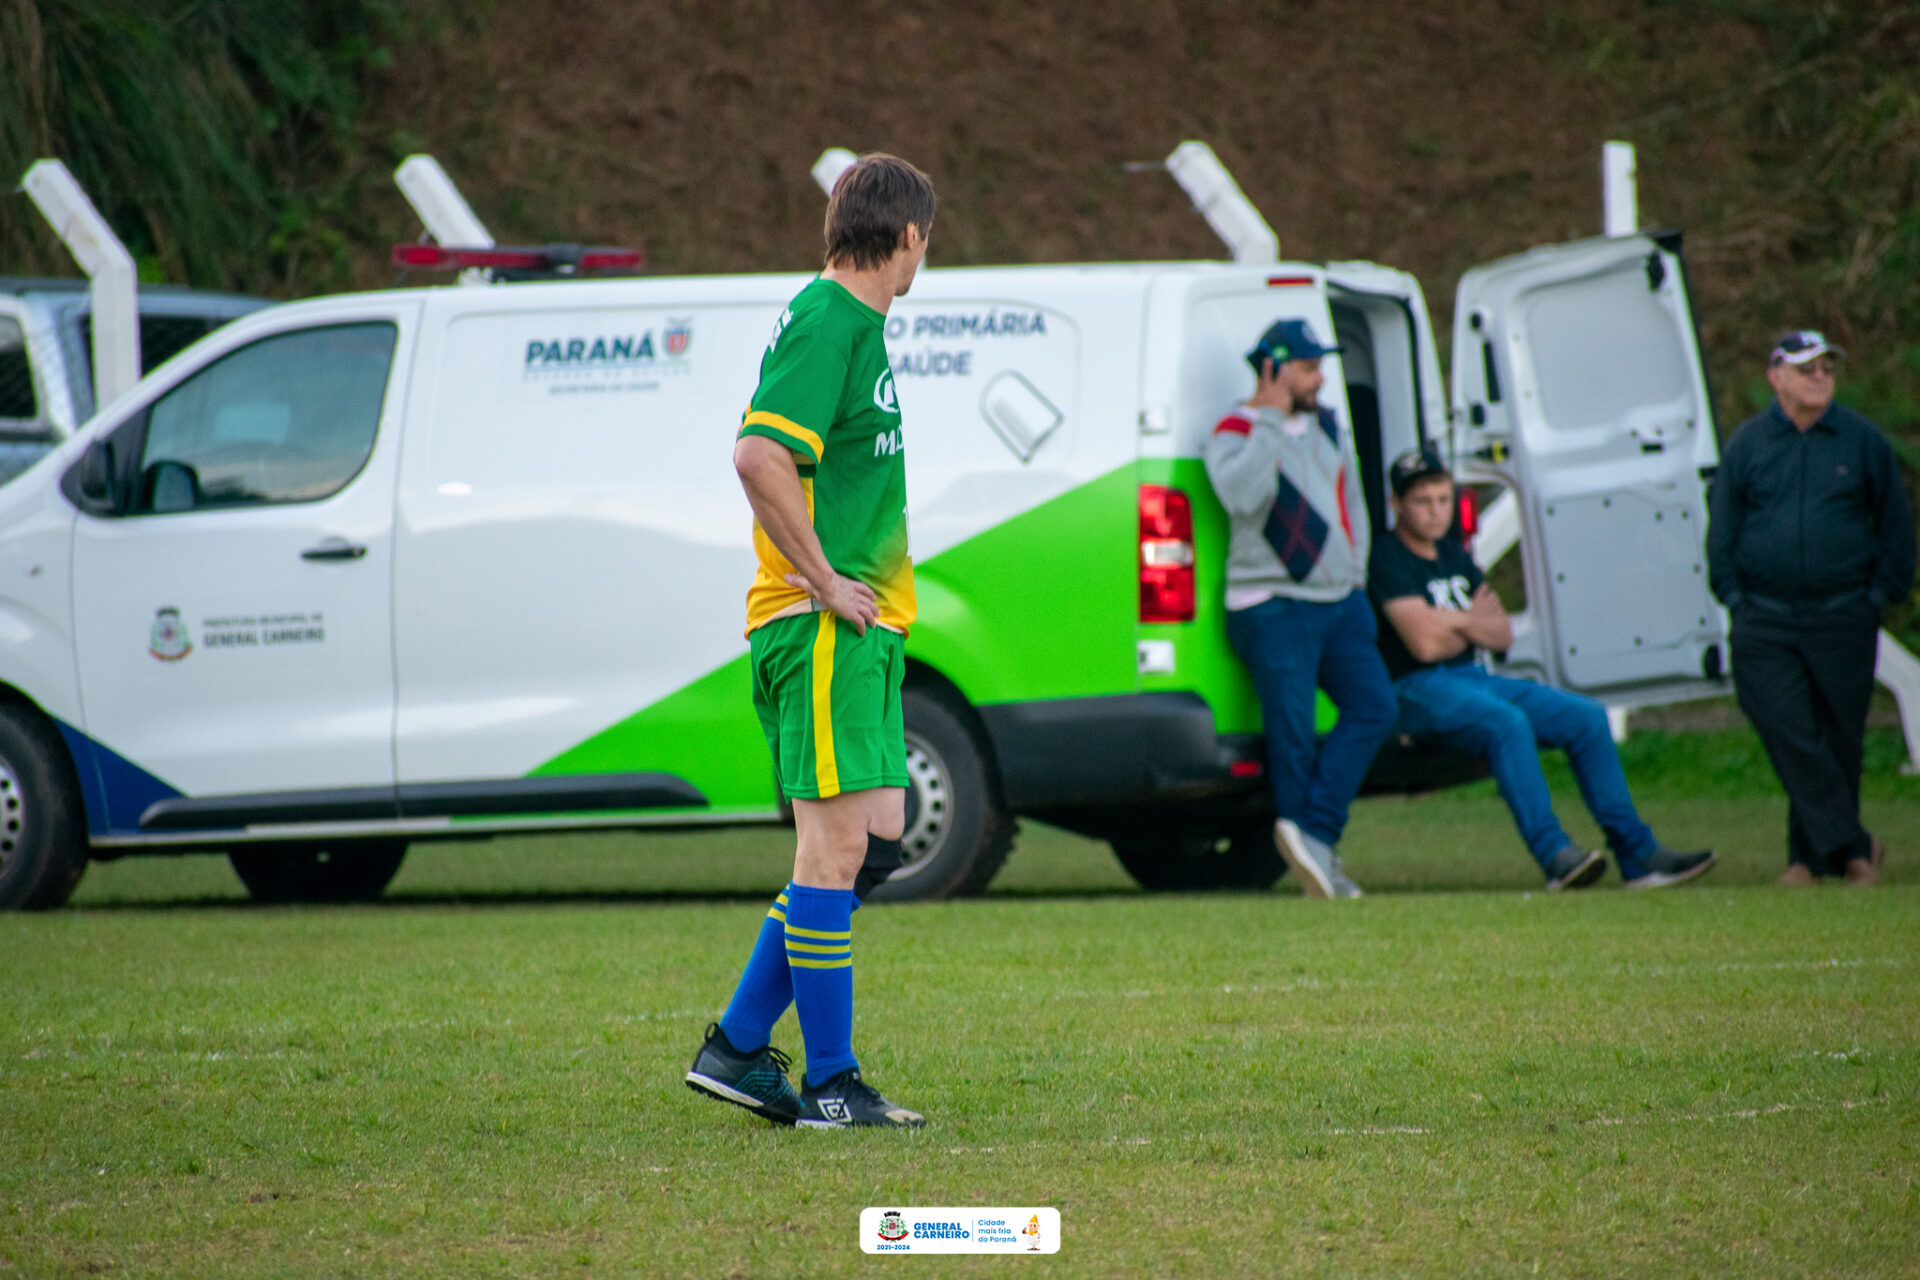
(884, 857)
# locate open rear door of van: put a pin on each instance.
(1578, 381)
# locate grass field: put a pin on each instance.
(1454, 1076)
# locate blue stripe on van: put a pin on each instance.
(116, 791)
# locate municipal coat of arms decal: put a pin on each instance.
(168, 641)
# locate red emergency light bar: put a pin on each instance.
(1282, 282)
(553, 257)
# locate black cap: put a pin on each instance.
(1413, 466)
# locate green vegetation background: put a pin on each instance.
(247, 144)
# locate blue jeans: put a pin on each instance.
(1291, 647)
(1508, 721)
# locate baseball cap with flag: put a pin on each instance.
(1287, 340)
(1797, 346)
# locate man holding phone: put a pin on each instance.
(1284, 468)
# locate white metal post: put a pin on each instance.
(1221, 202)
(444, 212)
(833, 162)
(1619, 191)
(109, 267)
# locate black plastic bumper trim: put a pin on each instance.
(495, 797)
(1127, 748)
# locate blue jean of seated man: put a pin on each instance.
(1507, 721)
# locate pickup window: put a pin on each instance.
(17, 400)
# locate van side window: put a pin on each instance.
(16, 374)
(290, 418)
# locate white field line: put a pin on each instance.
(1314, 984)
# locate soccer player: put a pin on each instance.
(820, 456)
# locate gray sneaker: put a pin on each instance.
(1666, 868)
(1343, 887)
(1575, 868)
(1312, 861)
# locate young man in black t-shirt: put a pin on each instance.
(1437, 612)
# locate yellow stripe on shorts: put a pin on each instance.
(826, 771)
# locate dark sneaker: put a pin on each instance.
(757, 1081)
(1575, 868)
(846, 1101)
(1665, 867)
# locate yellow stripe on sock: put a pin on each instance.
(820, 935)
(798, 963)
(826, 770)
(777, 914)
(828, 948)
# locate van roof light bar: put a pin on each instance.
(523, 262)
(1220, 201)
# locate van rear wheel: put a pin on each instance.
(958, 831)
(1172, 859)
(350, 871)
(43, 848)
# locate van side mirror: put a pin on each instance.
(99, 478)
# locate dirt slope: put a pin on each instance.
(1427, 137)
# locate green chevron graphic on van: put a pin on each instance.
(1039, 606)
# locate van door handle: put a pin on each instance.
(334, 549)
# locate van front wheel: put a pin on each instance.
(356, 871)
(958, 831)
(43, 849)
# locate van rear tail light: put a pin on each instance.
(1468, 519)
(1166, 555)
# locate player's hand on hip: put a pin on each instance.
(845, 598)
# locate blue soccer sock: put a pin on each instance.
(766, 987)
(820, 954)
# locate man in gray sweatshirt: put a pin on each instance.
(1297, 614)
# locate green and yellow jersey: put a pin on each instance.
(826, 392)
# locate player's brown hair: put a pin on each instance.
(871, 206)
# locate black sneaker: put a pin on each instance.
(756, 1081)
(1665, 867)
(1575, 868)
(846, 1101)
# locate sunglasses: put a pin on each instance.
(1821, 367)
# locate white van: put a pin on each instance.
(367, 570)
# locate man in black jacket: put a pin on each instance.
(1810, 540)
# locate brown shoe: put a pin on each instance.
(1860, 873)
(1798, 876)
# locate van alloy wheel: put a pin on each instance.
(929, 794)
(13, 814)
(958, 831)
(43, 850)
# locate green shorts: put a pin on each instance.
(829, 702)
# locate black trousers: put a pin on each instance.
(1805, 683)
